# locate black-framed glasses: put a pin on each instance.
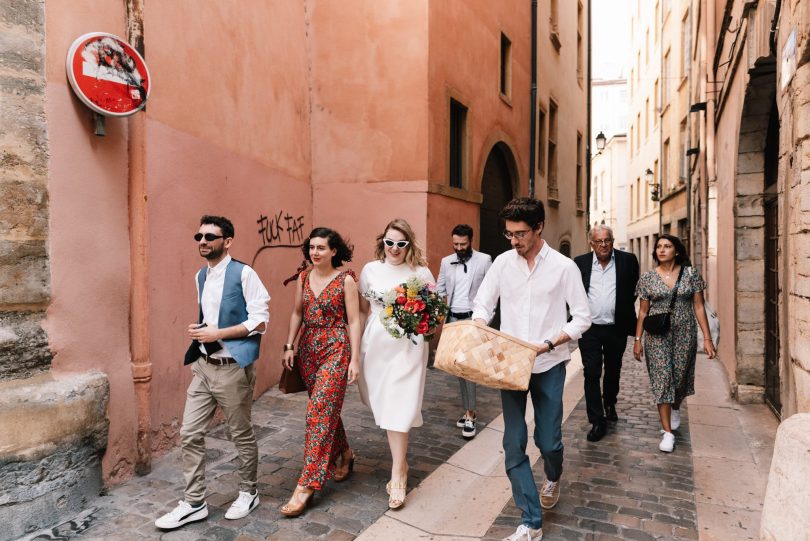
(516, 234)
(605, 242)
(398, 243)
(210, 237)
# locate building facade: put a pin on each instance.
(748, 218)
(609, 202)
(347, 115)
(750, 183)
(644, 143)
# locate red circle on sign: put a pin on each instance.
(107, 74)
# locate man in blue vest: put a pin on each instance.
(233, 314)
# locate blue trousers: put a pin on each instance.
(546, 390)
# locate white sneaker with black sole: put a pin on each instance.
(244, 504)
(460, 422)
(468, 430)
(182, 514)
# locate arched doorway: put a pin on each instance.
(497, 187)
(756, 232)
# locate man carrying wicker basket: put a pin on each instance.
(534, 283)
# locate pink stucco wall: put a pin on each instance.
(222, 137)
(88, 238)
(724, 289)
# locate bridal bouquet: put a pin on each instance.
(410, 309)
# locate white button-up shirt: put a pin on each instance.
(533, 302)
(256, 299)
(461, 291)
(602, 292)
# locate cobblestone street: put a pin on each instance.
(340, 511)
(619, 488)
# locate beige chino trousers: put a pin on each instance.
(231, 388)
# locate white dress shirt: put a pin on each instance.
(256, 299)
(461, 291)
(533, 301)
(602, 292)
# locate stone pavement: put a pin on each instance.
(340, 512)
(621, 487)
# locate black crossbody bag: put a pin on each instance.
(659, 323)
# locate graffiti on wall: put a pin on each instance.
(279, 230)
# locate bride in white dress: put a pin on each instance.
(392, 373)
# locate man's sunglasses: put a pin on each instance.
(210, 237)
(398, 243)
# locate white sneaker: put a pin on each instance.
(524, 533)
(244, 504)
(667, 442)
(675, 419)
(182, 514)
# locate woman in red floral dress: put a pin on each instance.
(328, 314)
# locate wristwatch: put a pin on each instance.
(638, 339)
(550, 344)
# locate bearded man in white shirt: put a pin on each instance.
(233, 316)
(534, 284)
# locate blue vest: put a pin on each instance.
(233, 311)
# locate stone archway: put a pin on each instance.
(757, 157)
(498, 183)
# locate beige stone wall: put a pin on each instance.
(24, 266)
(794, 173)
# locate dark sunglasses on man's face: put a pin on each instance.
(398, 243)
(210, 237)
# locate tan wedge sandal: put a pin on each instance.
(298, 502)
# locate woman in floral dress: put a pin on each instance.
(671, 356)
(328, 314)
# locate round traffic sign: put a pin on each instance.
(108, 74)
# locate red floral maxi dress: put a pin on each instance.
(324, 352)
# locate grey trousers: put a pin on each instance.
(231, 388)
(467, 387)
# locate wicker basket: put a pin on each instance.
(485, 356)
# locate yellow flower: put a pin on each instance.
(412, 293)
(389, 310)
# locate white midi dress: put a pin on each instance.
(392, 374)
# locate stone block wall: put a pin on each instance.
(24, 270)
(54, 429)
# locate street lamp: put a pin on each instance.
(600, 142)
(649, 176)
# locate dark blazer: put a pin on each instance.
(627, 272)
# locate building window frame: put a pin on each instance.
(552, 157)
(458, 143)
(505, 79)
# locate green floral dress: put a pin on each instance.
(671, 356)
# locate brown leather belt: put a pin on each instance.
(219, 361)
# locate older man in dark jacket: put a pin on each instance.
(609, 277)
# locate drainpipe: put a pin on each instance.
(586, 203)
(688, 158)
(662, 161)
(533, 98)
(139, 270)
